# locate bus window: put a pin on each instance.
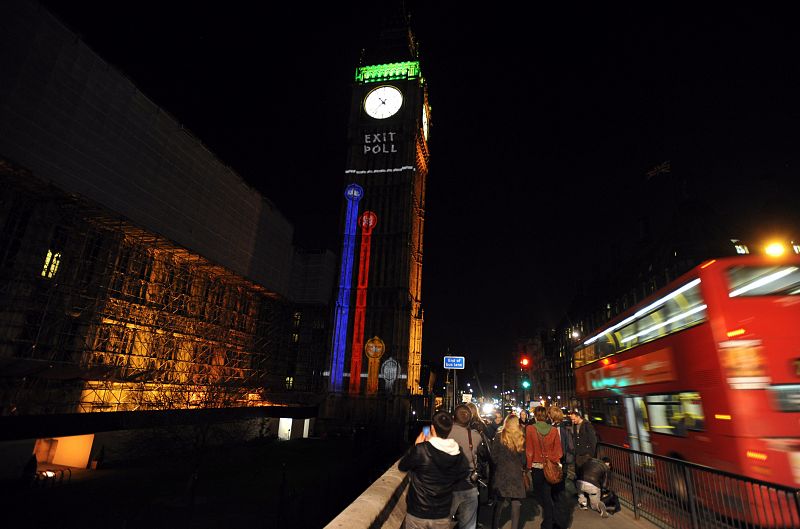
(608, 411)
(676, 413)
(678, 310)
(763, 281)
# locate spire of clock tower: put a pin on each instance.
(395, 41)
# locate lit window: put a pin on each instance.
(296, 319)
(51, 262)
(295, 337)
(674, 414)
(289, 382)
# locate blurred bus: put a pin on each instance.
(705, 370)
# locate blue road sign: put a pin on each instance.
(454, 362)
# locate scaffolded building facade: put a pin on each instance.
(99, 315)
(137, 270)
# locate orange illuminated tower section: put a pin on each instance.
(368, 221)
(387, 156)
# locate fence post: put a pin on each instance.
(634, 492)
(690, 496)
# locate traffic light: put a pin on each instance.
(526, 381)
(524, 362)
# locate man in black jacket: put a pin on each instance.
(585, 439)
(435, 464)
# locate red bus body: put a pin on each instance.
(722, 391)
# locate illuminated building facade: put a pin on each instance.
(100, 315)
(388, 158)
(138, 272)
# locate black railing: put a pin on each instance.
(676, 494)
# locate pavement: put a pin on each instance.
(581, 519)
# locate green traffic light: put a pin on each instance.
(526, 384)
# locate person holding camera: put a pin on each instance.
(465, 493)
(435, 464)
(508, 457)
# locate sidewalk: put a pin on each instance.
(581, 519)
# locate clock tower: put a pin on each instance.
(387, 160)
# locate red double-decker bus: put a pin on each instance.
(706, 370)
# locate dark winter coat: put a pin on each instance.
(507, 467)
(567, 444)
(434, 467)
(585, 439)
(596, 473)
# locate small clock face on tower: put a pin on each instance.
(383, 102)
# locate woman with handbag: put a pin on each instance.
(508, 459)
(543, 451)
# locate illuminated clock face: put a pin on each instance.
(425, 121)
(383, 102)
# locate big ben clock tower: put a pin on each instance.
(387, 166)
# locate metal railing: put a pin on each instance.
(676, 494)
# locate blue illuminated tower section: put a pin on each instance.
(353, 194)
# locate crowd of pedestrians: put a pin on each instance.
(548, 458)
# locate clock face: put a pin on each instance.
(383, 102)
(425, 121)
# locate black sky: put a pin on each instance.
(545, 120)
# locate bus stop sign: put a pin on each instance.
(454, 362)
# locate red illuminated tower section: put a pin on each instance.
(368, 222)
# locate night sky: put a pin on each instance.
(545, 121)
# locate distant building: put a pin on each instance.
(636, 267)
(311, 291)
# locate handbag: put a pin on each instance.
(551, 469)
(526, 479)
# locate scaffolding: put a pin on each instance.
(97, 314)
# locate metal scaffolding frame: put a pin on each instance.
(97, 314)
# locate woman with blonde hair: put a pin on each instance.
(508, 458)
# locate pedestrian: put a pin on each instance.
(465, 492)
(593, 480)
(484, 456)
(508, 456)
(435, 464)
(477, 422)
(542, 441)
(494, 425)
(585, 439)
(564, 492)
(523, 418)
